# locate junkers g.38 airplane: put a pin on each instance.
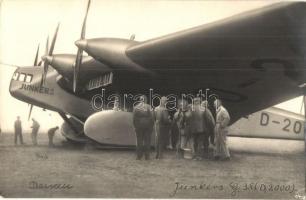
(252, 61)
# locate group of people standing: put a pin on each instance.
(35, 128)
(195, 124)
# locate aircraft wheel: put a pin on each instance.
(74, 143)
(89, 146)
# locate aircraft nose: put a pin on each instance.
(47, 59)
(81, 44)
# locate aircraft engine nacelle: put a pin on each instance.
(111, 51)
(63, 63)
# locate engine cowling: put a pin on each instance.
(63, 64)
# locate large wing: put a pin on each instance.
(253, 60)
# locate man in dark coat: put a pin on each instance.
(197, 128)
(209, 125)
(162, 127)
(143, 124)
(18, 131)
(180, 120)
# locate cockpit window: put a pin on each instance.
(15, 76)
(29, 78)
(21, 77)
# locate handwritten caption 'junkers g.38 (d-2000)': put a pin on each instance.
(235, 188)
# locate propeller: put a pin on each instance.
(78, 60)
(36, 57)
(45, 64)
(132, 37)
(48, 52)
(8, 64)
(35, 64)
(304, 103)
(30, 111)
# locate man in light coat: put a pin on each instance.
(35, 127)
(221, 129)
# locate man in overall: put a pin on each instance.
(51, 133)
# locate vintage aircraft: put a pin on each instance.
(272, 122)
(252, 61)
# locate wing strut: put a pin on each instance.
(65, 118)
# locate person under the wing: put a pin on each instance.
(162, 127)
(143, 124)
(221, 129)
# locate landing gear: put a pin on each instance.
(73, 131)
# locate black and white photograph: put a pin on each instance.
(153, 99)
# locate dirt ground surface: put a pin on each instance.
(257, 169)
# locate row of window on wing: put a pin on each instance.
(100, 81)
(22, 77)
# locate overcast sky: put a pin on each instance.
(26, 23)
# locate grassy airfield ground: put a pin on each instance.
(259, 168)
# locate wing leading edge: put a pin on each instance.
(258, 55)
